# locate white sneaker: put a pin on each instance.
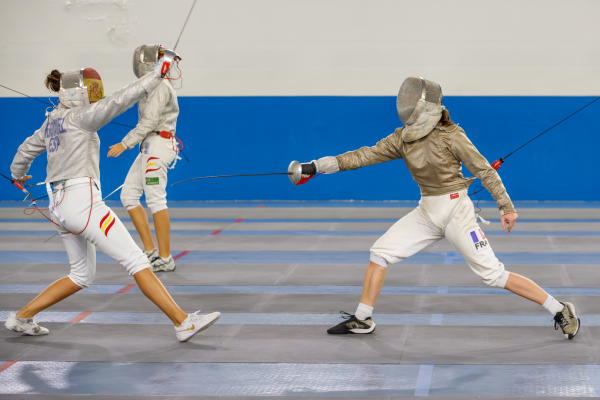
(195, 323)
(27, 326)
(163, 264)
(152, 254)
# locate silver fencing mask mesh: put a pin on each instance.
(412, 91)
(80, 87)
(145, 58)
(71, 79)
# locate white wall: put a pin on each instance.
(313, 47)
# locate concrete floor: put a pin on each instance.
(280, 273)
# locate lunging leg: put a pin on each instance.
(57, 291)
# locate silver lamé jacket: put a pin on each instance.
(70, 135)
(435, 162)
(158, 111)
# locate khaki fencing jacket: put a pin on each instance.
(434, 162)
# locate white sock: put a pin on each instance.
(552, 305)
(363, 311)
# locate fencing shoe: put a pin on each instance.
(27, 326)
(567, 320)
(352, 325)
(152, 254)
(163, 264)
(195, 323)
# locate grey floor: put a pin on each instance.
(280, 275)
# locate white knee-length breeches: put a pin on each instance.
(104, 231)
(451, 216)
(149, 174)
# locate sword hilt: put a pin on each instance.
(496, 164)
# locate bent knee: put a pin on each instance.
(138, 265)
(498, 280)
(378, 260)
(154, 208)
(81, 280)
(138, 268)
(130, 202)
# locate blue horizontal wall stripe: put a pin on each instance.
(237, 135)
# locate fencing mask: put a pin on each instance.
(80, 87)
(145, 58)
(419, 105)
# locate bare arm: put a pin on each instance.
(467, 153)
(386, 149)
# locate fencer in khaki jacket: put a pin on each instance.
(434, 162)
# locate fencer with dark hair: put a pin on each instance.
(69, 136)
(434, 150)
(159, 148)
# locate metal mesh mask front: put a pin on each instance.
(412, 90)
(433, 93)
(71, 79)
(408, 96)
(85, 78)
(145, 58)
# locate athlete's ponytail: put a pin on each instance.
(446, 121)
(52, 81)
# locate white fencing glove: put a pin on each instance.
(327, 165)
(302, 173)
(164, 65)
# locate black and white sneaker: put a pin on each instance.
(352, 325)
(163, 264)
(567, 320)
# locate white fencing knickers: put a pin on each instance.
(149, 174)
(104, 231)
(451, 216)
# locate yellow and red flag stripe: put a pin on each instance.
(106, 223)
(151, 164)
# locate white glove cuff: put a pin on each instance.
(327, 165)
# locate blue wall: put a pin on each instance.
(237, 135)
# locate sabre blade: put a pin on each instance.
(184, 25)
(111, 193)
(35, 184)
(231, 176)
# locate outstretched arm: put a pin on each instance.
(155, 104)
(32, 147)
(93, 117)
(465, 151)
(386, 149)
